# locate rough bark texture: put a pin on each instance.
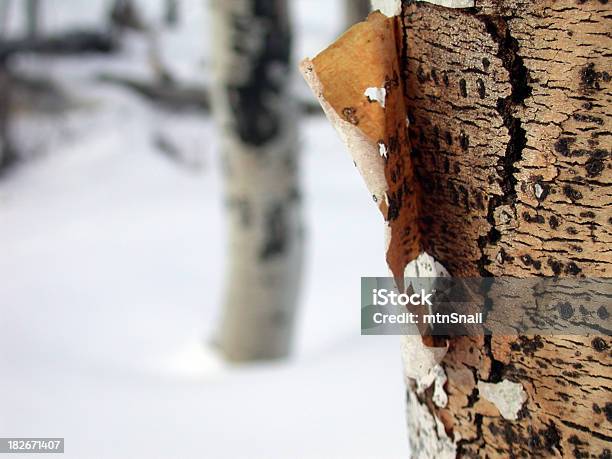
(510, 120)
(257, 115)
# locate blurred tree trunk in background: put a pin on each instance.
(171, 15)
(7, 155)
(125, 14)
(5, 6)
(33, 17)
(355, 11)
(257, 116)
(510, 128)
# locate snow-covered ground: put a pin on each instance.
(111, 270)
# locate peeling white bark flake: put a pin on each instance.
(437, 377)
(388, 7)
(427, 436)
(376, 95)
(507, 396)
(382, 150)
(394, 7)
(538, 190)
(452, 3)
(425, 266)
(418, 358)
(363, 151)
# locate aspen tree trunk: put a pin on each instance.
(125, 14)
(6, 152)
(491, 154)
(257, 116)
(33, 18)
(171, 15)
(5, 6)
(509, 104)
(7, 155)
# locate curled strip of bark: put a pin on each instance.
(356, 81)
(362, 148)
(342, 76)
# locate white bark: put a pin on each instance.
(257, 116)
(156, 62)
(394, 7)
(388, 7)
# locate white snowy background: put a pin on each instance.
(111, 271)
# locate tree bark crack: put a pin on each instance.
(508, 47)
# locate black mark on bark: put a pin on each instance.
(276, 232)
(256, 114)
(518, 74)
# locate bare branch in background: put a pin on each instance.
(169, 94)
(177, 96)
(72, 42)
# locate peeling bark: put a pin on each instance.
(365, 57)
(257, 117)
(507, 163)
